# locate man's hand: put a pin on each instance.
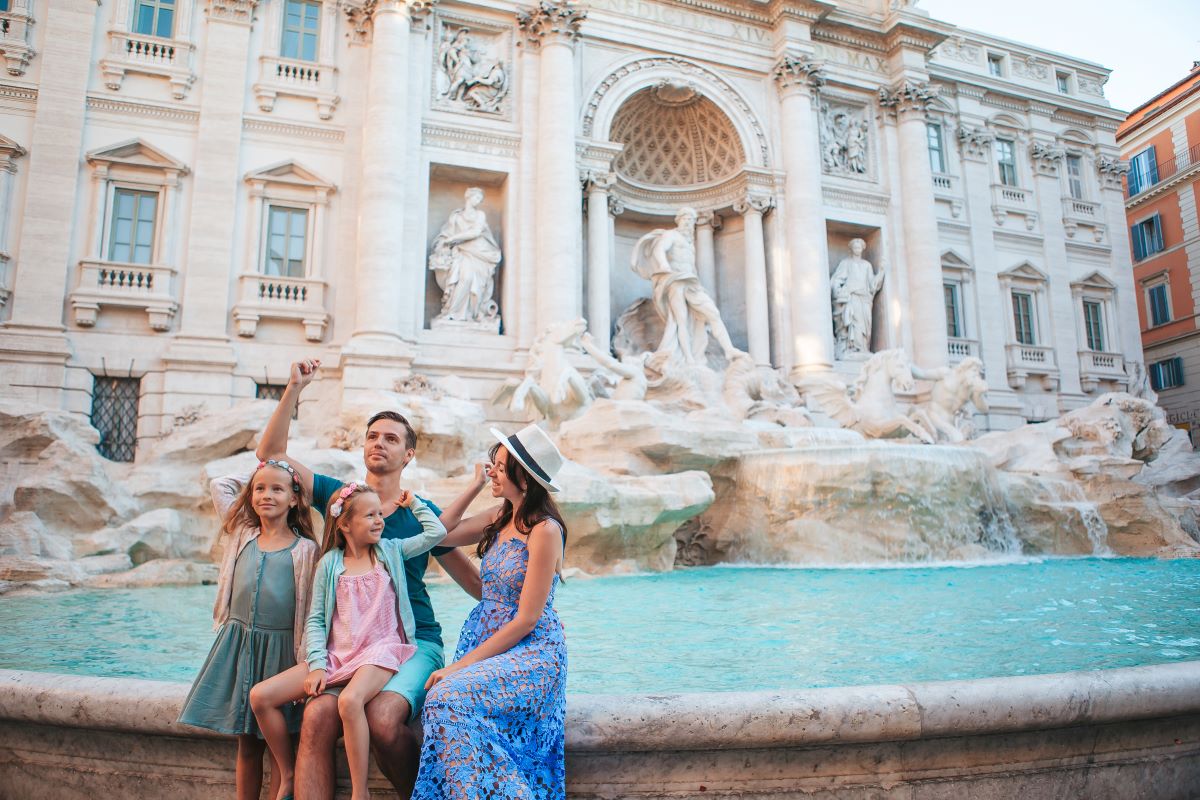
(303, 372)
(314, 684)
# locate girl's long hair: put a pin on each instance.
(334, 535)
(538, 505)
(242, 514)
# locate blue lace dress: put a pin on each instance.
(495, 729)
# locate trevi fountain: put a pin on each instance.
(839, 525)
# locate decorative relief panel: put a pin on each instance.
(1032, 68)
(845, 134)
(959, 49)
(473, 67)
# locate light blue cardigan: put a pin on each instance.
(392, 553)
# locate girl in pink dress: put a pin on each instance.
(360, 628)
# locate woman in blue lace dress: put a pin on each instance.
(494, 717)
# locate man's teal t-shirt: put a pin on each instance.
(400, 524)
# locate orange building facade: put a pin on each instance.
(1160, 140)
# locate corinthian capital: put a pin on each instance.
(551, 19)
(361, 13)
(907, 97)
(753, 201)
(798, 72)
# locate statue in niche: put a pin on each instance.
(667, 258)
(854, 285)
(463, 260)
(472, 78)
(843, 141)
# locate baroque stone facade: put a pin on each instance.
(192, 198)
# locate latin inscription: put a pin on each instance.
(855, 59)
(687, 20)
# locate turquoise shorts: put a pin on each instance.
(409, 680)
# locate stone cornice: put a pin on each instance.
(905, 29)
(475, 139)
(151, 110)
(810, 11)
(292, 130)
(22, 94)
(550, 20)
(840, 33)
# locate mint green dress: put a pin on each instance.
(255, 643)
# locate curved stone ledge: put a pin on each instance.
(1113, 733)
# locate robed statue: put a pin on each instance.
(463, 260)
(854, 285)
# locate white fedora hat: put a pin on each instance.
(534, 450)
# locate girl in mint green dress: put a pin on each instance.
(263, 594)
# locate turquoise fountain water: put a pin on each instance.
(724, 628)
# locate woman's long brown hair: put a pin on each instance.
(242, 512)
(538, 505)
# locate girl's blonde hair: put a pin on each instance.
(337, 510)
(242, 514)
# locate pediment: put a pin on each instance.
(10, 148)
(289, 172)
(1095, 281)
(1026, 271)
(137, 153)
(954, 260)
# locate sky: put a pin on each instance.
(1148, 44)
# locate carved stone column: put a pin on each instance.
(382, 313)
(707, 223)
(552, 27)
(798, 80)
(927, 310)
(599, 264)
(758, 323)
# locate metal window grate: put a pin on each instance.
(115, 415)
(273, 391)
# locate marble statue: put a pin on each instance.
(667, 258)
(870, 405)
(630, 371)
(762, 394)
(463, 260)
(478, 82)
(954, 388)
(552, 387)
(854, 285)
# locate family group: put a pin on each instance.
(336, 634)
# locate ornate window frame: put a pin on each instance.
(171, 58)
(10, 151)
(956, 271)
(260, 296)
(1108, 365)
(293, 77)
(1025, 360)
(1015, 200)
(137, 165)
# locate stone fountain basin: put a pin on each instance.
(1127, 733)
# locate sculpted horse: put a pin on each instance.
(945, 412)
(870, 406)
(552, 387)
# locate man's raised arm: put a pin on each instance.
(273, 442)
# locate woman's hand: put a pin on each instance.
(314, 684)
(483, 473)
(439, 674)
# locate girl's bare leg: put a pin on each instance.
(362, 688)
(248, 772)
(266, 699)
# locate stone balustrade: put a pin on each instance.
(280, 297)
(1077, 213)
(1095, 367)
(1025, 360)
(123, 285)
(148, 55)
(1131, 732)
(960, 348)
(289, 76)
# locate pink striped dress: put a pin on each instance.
(365, 629)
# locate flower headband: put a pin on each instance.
(286, 467)
(347, 490)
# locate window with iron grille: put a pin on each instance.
(1023, 317)
(115, 416)
(273, 391)
(1093, 323)
(154, 18)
